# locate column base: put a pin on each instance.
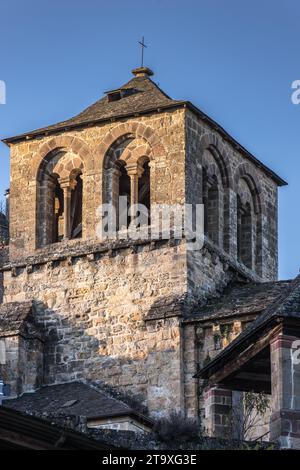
(285, 428)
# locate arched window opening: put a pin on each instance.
(144, 188)
(60, 198)
(123, 190)
(244, 233)
(58, 226)
(213, 228)
(211, 201)
(127, 174)
(124, 182)
(76, 208)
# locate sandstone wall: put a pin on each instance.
(231, 164)
(3, 260)
(95, 303)
(91, 309)
(23, 367)
(163, 131)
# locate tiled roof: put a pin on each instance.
(142, 95)
(241, 299)
(284, 306)
(70, 399)
(287, 305)
(15, 316)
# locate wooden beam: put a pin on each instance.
(232, 367)
(24, 441)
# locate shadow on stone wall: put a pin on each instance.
(70, 354)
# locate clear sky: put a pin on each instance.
(234, 59)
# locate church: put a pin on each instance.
(128, 331)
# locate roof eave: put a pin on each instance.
(175, 105)
(213, 366)
(67, 127)
(130, 413)
(235, 143)
(210, 369)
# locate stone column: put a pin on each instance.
(218, 410)
(285, 378)
(134, 171)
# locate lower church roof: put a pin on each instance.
(73, 399)
(240, 299)
(284, 308)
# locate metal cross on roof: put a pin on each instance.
(143, 45)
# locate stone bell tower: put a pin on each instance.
(115, 311)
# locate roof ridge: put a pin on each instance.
(282, 298)
(152, 99)
(105, 392)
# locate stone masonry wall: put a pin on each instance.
(229, 162)
(92, 303)
(3, 260)
(91, 310)
(203, 341)
(23, 367)
(164, 132)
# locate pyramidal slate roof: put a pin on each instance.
(286, 306)
(139, 96)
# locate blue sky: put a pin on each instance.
(234, 59)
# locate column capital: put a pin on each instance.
(65, 182)
(114, 172)
(134, 169)
(282, 341)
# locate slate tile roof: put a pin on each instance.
(284, 306)
(287, 305)
(242, 299)
(71, 399)
(15, 316)
(143, 95)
